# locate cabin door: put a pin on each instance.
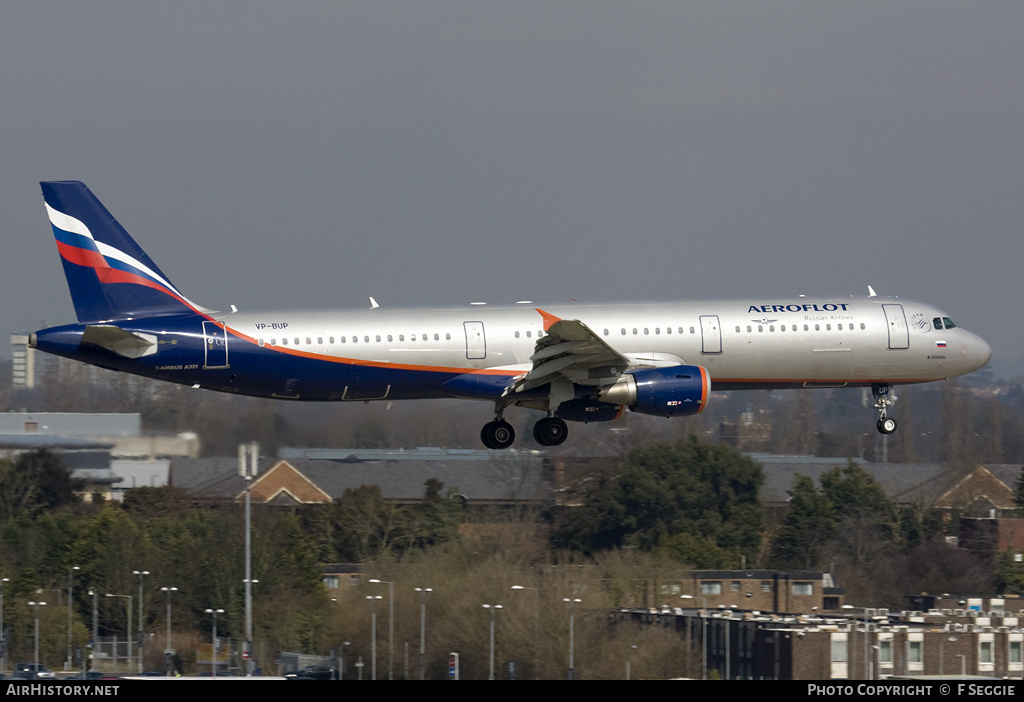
(215, 345)
(896, 321)
(476, 342)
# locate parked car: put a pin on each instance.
(33, 671)
(93, 675)
(311, 672)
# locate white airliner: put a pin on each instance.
(572, 362)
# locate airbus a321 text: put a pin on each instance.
(573, 362)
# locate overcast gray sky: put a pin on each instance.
(271, 154)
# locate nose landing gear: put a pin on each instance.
(885, 424)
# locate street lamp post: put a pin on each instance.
(942, 643)
(94, 634)
(168, 651)
(423, 627)
(141, 574)
(216, 644)
(373, 637)
(128, 631)
(572, 632)
(248, 465)
(391, 624)
(536, 628)
(3, 632)
(35, 655)
(492, 609)
(341, 662)
(71, 573)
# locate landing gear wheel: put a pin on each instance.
(550, 431)
(498, 434)
(886, 424)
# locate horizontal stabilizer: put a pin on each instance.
(124, 343)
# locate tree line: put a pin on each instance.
(636, 525)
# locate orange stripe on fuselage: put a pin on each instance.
(371, 364)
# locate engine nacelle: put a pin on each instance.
(676, 391)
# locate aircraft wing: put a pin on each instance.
(569, 353)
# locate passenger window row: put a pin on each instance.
(354, 339)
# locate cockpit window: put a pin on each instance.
(937, 323)
(950, 324)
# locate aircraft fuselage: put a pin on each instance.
(380, 354)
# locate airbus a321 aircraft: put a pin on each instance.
(580, 363)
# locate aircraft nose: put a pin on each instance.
(981, 350)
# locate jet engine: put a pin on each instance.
(676, 391)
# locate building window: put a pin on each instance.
(984, 652)
(766, 586)
(1015, 652)
(914, 652)
(711, 587)
(803, 588)
(735, 585)
(838, 650)
(885, 652)
(331, 582)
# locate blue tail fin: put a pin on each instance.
(109, 275)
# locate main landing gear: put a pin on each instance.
(886, 424)
(499, 434)
(550, 431)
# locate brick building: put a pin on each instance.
(871, 644)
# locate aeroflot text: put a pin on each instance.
(773, 309)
